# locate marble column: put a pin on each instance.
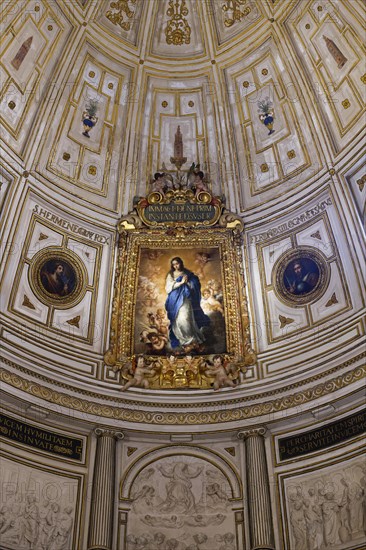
(104, 484)
(259, 500)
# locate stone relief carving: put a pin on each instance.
(328, 510)
(37, 510)
(181, 503)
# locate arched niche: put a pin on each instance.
(181, 498)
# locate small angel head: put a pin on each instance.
(206, 293)
(140, 361)
(217, 360)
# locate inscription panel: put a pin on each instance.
(38, 438)
(180, 212)
(322, 438)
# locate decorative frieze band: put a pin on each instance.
(123, 411)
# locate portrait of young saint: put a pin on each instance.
(58, 278)
(301, 276)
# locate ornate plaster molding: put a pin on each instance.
(124, 411)
(141, 403)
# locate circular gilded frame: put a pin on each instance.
(64, 286)
(301, 275)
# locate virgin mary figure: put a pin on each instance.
(183, 306)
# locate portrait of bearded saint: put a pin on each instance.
(54, 279)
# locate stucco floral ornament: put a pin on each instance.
(178, 31)
(266, 114)
(89, 119)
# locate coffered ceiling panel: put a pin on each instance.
(331, 51)
(82, 151)
(183, 103)
(177, 30)
(122, 19)
(34, 36)
(273, 134)
(233, 21)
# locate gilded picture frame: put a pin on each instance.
(210, 256)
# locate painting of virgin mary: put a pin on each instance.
(180, 311)
(183, 306)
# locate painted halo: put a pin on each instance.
(58, 277)
(301, 275)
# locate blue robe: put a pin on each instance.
(175, 299)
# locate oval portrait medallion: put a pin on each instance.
(58, 277)
(301, 275)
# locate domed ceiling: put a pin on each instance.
(269, 98)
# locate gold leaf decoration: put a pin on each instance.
(74, 321)
(177, 31)
(27, 302)
(234, 12)
(332, 300)
(285, 321)
(241, 413)
(119, 10)
(42, 237)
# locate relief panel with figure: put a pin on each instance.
(181, 503)
(38, 508)
(326, 509)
